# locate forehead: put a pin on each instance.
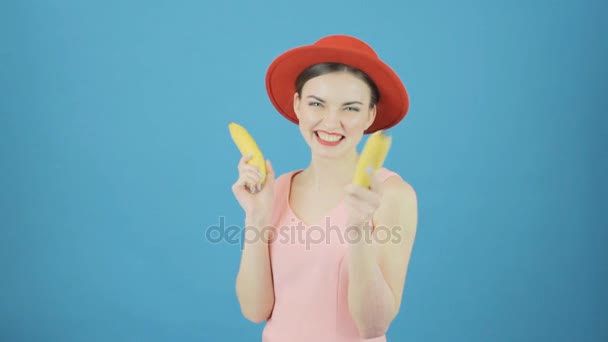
(337, 87)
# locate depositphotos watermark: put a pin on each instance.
(300, 234)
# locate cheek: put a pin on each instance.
(356, 122)
(307, 123)
(309, 117)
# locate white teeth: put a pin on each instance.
(328, 137)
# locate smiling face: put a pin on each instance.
(334, 111)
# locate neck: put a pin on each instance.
(323, 173)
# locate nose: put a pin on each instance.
(331, 118)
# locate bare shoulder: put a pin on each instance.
(397, 191)
(399, 206)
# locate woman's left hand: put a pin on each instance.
(363, 202)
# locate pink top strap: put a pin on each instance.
(385, 173)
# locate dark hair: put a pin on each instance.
(326, 68)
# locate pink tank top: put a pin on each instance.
(309, 274)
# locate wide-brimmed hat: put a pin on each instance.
(283, 71)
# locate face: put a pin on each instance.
(334, 111)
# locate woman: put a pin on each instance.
(331, 258)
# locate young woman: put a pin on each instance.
(330, 259)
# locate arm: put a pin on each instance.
(378, 268)
(254, 286)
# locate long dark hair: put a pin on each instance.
(326, 68)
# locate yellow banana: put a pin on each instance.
(246, 145)
(373, 154)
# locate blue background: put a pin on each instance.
(116, 160)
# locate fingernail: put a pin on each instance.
(259, 187)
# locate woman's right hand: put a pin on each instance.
(257, 201)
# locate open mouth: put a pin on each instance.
(328, 139)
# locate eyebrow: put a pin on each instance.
(344, 104)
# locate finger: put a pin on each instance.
(250, 168)
(246, 181)
(244, 159)
(249, 181)
(242, 184)
(252, 173)
(376, 183)
(244, 164)
(269, 170)
(253, 189)
(356, 216)
(363, 194)
(360, 205)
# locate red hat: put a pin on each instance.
(283, 71)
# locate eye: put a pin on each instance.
(314, 104)
(352, 109)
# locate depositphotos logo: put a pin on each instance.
(299, 234)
